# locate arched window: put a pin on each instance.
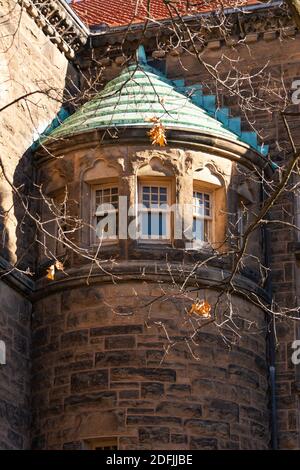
(105, 211)
(202, 214)
(155, 197)
(208, 209)
(100, 198)
(154, 209)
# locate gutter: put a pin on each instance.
(159, 22)
(76, 18)
(271, 342)
(258, 6)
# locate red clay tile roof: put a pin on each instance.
(122, 12)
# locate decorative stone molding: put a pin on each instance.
(134, 270)
(59, 23)
(265, 22)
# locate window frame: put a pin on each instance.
(201, 187)
(94, 240)
(159, 181)
(101, 443)
(242, 218)
(61, 202)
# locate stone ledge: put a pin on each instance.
(57, 21)
(179, 138)
(15, 279)
(139, 271)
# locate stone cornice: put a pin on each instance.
(18, 281)
(266, 22)
(58, 21)
(233, 150)
(124, 271)
(146, 271)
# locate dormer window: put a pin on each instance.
(154, 211)
(202, 216)
(105, 212)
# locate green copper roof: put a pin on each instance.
(140, 93)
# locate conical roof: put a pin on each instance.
(141, 93)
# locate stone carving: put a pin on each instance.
(237, 26)
(58, 23)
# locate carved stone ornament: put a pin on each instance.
(57, 21)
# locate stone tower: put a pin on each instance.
(118, 360)
(113, 353)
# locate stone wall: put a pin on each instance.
(283, 57)
(15, 387)
(278, 52)
(100, 370)
(32, 66)
(96, 370)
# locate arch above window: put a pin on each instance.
(207, 175)
(156, 167)
(100, 170)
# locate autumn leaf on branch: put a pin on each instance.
(201, 308)
(51, 272)
(58, 265)
(157, 133)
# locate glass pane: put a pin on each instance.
(154, 200)
(107, 196)
(154, 224)
(107, 226)
(153, 196)
(146, 224)
(200, 229)
(201, 204)
(162, 224)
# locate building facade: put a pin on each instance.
(110, 351)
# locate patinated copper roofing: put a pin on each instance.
(141, 93)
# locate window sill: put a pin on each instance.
(105, 243)
(107, 246)
(199, 246)
(150, 244)
(154, 241)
